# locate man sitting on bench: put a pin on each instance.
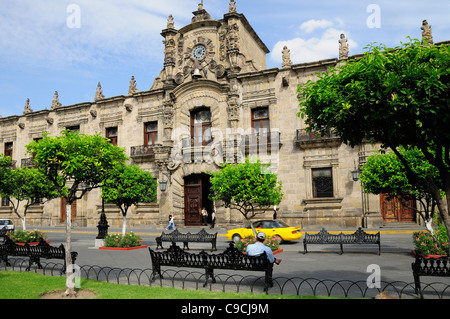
(258, 248)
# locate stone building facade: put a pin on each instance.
(214, 100)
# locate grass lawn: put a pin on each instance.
(29, 285)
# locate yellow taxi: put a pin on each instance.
(269, 227)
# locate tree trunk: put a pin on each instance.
(124, 224)
(70, 290)
(24, 225)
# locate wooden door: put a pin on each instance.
(394, 211)
(64, 213)
(193, 201)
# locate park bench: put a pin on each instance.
(358, 237)
(175, 236)
(34, 253)
(231, 259)
(429, 266)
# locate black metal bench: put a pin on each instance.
(438, 267)
(175, 236)
(231, 259)
(358, 237)
(35, 253)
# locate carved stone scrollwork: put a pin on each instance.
(233, 110)
(93, 113)
(168, 114)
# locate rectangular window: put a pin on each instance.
(151, 133)
(260, 123)
(112, 134)
(5, 201)
(9, 149)
(322, 182)
(75, 128)
(201, 127)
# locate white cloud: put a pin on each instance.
(311, 25)
(323, 44)
(37, 31)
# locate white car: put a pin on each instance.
(6, 223)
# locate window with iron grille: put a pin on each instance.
(322, 182)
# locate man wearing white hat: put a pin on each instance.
(258, 248)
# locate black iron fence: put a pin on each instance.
(227, 282)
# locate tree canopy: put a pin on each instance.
(128, 185)
(248, 187)
(396, 97)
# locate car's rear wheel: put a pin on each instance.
(236, 238)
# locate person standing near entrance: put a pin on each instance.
(204, 217)
(213, 219)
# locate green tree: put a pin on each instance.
(247, 187)
(128, 185)
(28, 185)
(75, 163)
(384, 173)
(397, 97)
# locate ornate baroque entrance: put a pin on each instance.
(394, 211)
(196, 190)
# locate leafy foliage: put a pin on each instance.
(427, 244)
(272, 242)
(128, 185)
(123, 241)
(247, 187)
(396, 97)
(78, 158)
(384, 173)
(23, 236)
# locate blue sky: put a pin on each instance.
(70, 46)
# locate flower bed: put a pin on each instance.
(428, 246)
(21, 237)
(119, 242)
(272, 242)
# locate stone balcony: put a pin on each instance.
(308, 140)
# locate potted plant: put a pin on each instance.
(431, 245)
(128, 241)
(22, 237)
(272, 242)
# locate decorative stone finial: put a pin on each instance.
(200, 14)
(426, 32)
(170, 24)
(132, 89)
(286, 57)
(27, 109)
(343, 48)
(232, 8)
(55, 102)
(99, 93)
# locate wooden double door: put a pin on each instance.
(395, 211)
(73, 210)
(196, 191)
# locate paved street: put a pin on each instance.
(321, 263)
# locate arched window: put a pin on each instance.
(201, 126)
